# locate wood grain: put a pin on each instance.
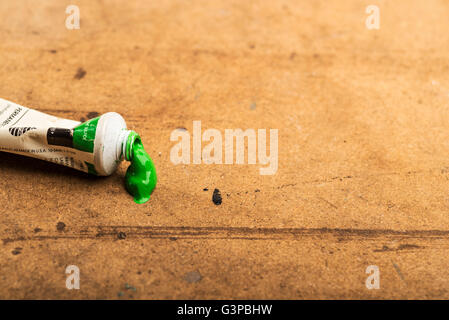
(363, 149)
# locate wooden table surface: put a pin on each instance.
(363, 175)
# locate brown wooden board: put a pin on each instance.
(363, 174)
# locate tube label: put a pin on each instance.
(35, 134)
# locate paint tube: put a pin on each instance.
(96, 146)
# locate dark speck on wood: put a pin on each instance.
(216, 197)
(60, 226)
(80, 74)
(121, 235)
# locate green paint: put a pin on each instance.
(140, 178)
(84, 135)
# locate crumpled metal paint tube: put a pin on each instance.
(96, 146)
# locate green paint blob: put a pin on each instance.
(140, 178)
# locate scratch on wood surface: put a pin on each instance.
(328, 202)
(229, 233)
(396, 267)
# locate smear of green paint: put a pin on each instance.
(140, 178)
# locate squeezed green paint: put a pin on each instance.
(140, 178)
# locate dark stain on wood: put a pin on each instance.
(80, 73)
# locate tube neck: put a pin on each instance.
(126, 143)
